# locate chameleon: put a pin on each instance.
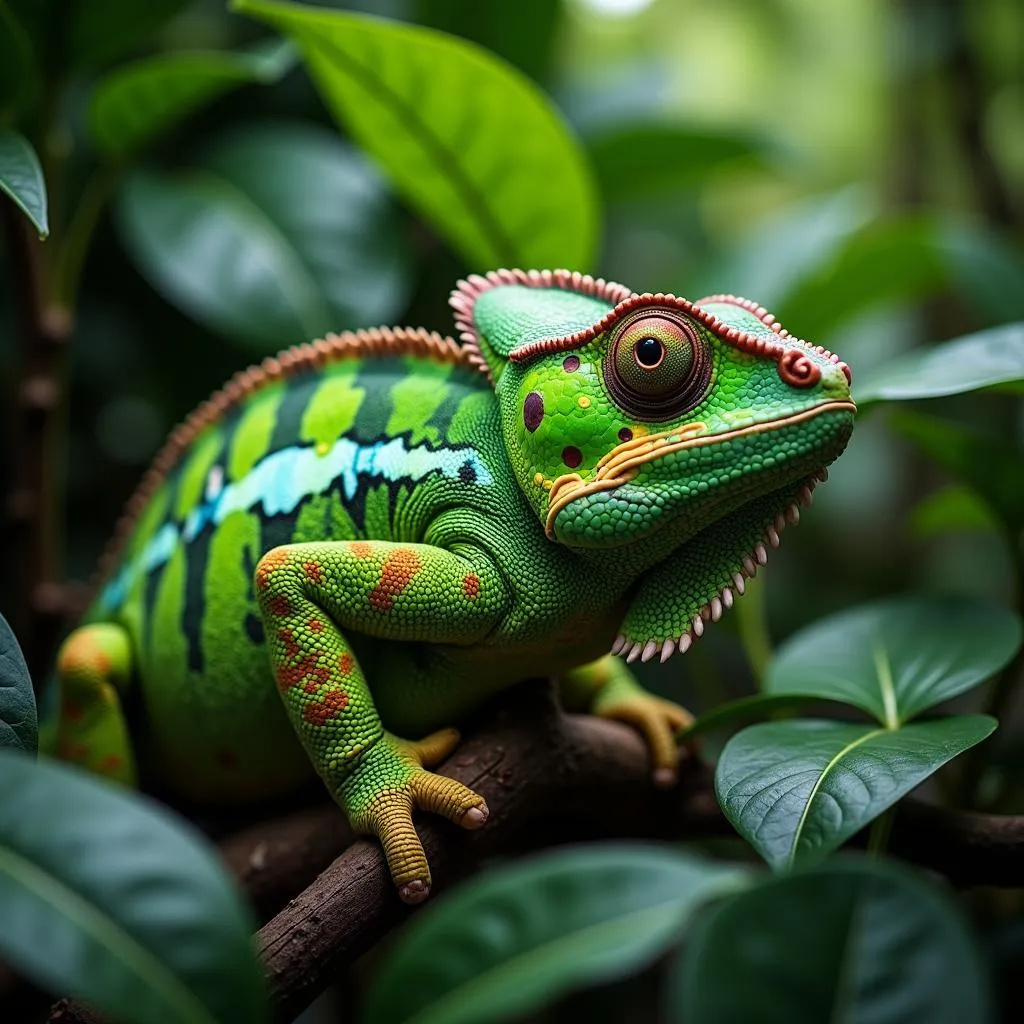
(350, 546)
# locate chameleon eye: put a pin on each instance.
(658, 366)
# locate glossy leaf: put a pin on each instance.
(747, 709)
(640, 160)
(898, 657)
(474, 146)
(850, 941)
(511, 940)
(99, 31)
(992, 466)
(18, 725)
(796, 790)
(17, 64)
(21, 178)
(141, 100)
(107, 898)
(975, 361)
(281, 234)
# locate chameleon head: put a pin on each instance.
(632, 415)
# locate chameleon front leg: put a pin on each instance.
(309, 596)
(608, 689)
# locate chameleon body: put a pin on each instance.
(350, 546)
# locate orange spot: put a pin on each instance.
(280, 606)
(269, 563)
(345, 663)
(316, 625)
(471, 586)
(110, 763)
(307, 668)
(71, 710)
(334, 703)
(227, 758)
(313, 572)
(311, 687)
(287, 637)
(361, 549)
(399, 569)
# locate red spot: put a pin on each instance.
(334, 703)
(110, 763)
(311, 687)
(316, 625)
(361, 549)
(269, 563)
(399, 569)
(471, 586)
(313, 572)
(227, 758)
(345, 663)
(307, 668)
(71, 710)
(287, 637)
(279, 605)
(572, 456)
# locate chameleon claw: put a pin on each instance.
(668, 648)
(650, 649)
(414, 892)
(664, 778)
(634, 653)
(475, 817)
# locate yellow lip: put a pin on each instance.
(623, 462)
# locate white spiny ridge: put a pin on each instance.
(713, 610)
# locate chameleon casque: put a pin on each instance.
(351, 545)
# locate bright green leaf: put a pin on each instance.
(106, 897)
(18, 726)
(282, 234)
(747, 709)
(796, 790)
(950, 509)
(511, 940)
(472, 144)
(992, 466)
(850, 941)
(975, 361)
(898, 657)
(99, 31)
(17, 63)
(674, 157)
(139, 101)
(21, 178)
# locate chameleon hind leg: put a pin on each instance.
(608, 689)
(309, 596)
(94, 667)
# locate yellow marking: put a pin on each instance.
(623, 462)
(547, 485)
(323, 448)
(538, 478)
(583, 402)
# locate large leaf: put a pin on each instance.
(640, 160)
(981, 360)
(103, 896)
(281, 234)
(18, 725)
(468, 140)
(852, 941)
(99, 31)
(796, 790)
(141, 100)
(505, 943)
(992, 466)
(898, 657)
(17, 64)
(988, 269)
(21, 178)
(747, 709)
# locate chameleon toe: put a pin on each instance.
(414, 892)
(475, 817)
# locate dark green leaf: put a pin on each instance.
(898, 657)
(18, 726)
(21, 178)
(17, 63)
(952, 508)
(796, 790)
(975, 361)
(992, 466)
(474, 146)
(139, 101)
(509, 941)
(640, 160)
(747, 709)
(99, 31)
(106, 897)
(987, 268)
(851, 941)
(282, 234)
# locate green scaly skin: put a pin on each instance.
(350, 550)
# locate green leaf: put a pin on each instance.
(987, 268)
(18, 725)
(796, 790)
(746, 709)
(951, 508)
(851, 941)
(975, 361)
(470, 142)
(640, 160)
(282, 234)
(139, 101)
(99, 31)
(17, 63)
(898, 657)
(21, 178)
(992, 466)
(511, 940)
(106, 897)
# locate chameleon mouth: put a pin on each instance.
(623, 462)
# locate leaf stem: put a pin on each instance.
(881, 827)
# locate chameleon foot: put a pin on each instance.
(392, 782)
(658, 720)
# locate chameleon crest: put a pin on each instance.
(349, 547)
